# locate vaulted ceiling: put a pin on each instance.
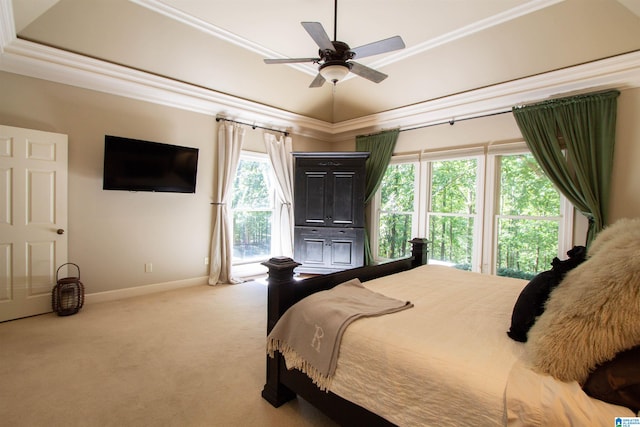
(453, 47)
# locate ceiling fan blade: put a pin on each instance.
(319, 35)
(289, 60)
(367, 73)
(318, 81)
(381, 46)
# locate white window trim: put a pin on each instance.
(483, 257)
(477, 153)
(457, 153)
(253, 267)
(375, 210)
(490, 241)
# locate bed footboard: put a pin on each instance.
(284, 291)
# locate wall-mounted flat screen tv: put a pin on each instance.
(136, 165)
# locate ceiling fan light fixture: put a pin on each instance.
(334, 57)
(334, 72)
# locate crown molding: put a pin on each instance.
(171, 12)
(619, 72)
(220, 33)
(7, 26)
(47, 63)
(468, 30)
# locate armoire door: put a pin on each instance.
(33, 219)
(346, 201)
(329, 191)
(323, 250)
(311, 190)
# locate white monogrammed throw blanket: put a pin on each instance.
(308, 335)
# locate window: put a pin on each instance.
(252, 207)
(452, 211)
(527, 218)
(493, 212)
(397, 214)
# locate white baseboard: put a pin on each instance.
(143, 290)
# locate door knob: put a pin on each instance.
(60, 231)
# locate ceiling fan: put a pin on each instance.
(335, 57)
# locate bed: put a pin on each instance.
(448, 359)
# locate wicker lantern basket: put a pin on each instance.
(67, 296)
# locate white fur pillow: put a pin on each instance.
(595, 311)
(624, 225)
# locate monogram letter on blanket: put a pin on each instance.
(308, 335)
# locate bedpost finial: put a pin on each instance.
(419, 251)
(280, 269)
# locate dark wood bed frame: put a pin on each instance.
(284, 290)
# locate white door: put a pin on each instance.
(33, 219)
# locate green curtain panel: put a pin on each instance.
(585, 126)
(380, 146)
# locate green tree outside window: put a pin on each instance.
(527, 220)
(452, 211)
(397, 193)
(252, 207)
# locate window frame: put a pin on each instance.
(374, 239)
(492, 216)
(275, 207)
(477, 153)
(487, 196)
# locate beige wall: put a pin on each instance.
(625, 182)
(112, 234)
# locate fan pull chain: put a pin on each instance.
(333, 103)
(335, 21)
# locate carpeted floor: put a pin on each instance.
(189, 357)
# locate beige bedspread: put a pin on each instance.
(445, 362)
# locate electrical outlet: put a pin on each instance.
(206, 260)
(148, 267)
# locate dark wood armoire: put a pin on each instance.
(329, 210)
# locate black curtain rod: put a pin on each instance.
(450, 122)
(453, 121)
(252, 126)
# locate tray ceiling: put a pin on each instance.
(452, 46)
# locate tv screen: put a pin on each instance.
(135, 165)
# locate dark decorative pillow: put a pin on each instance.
(618, 380)
(530, 303)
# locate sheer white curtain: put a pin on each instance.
(279, 150)
(230, 138)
